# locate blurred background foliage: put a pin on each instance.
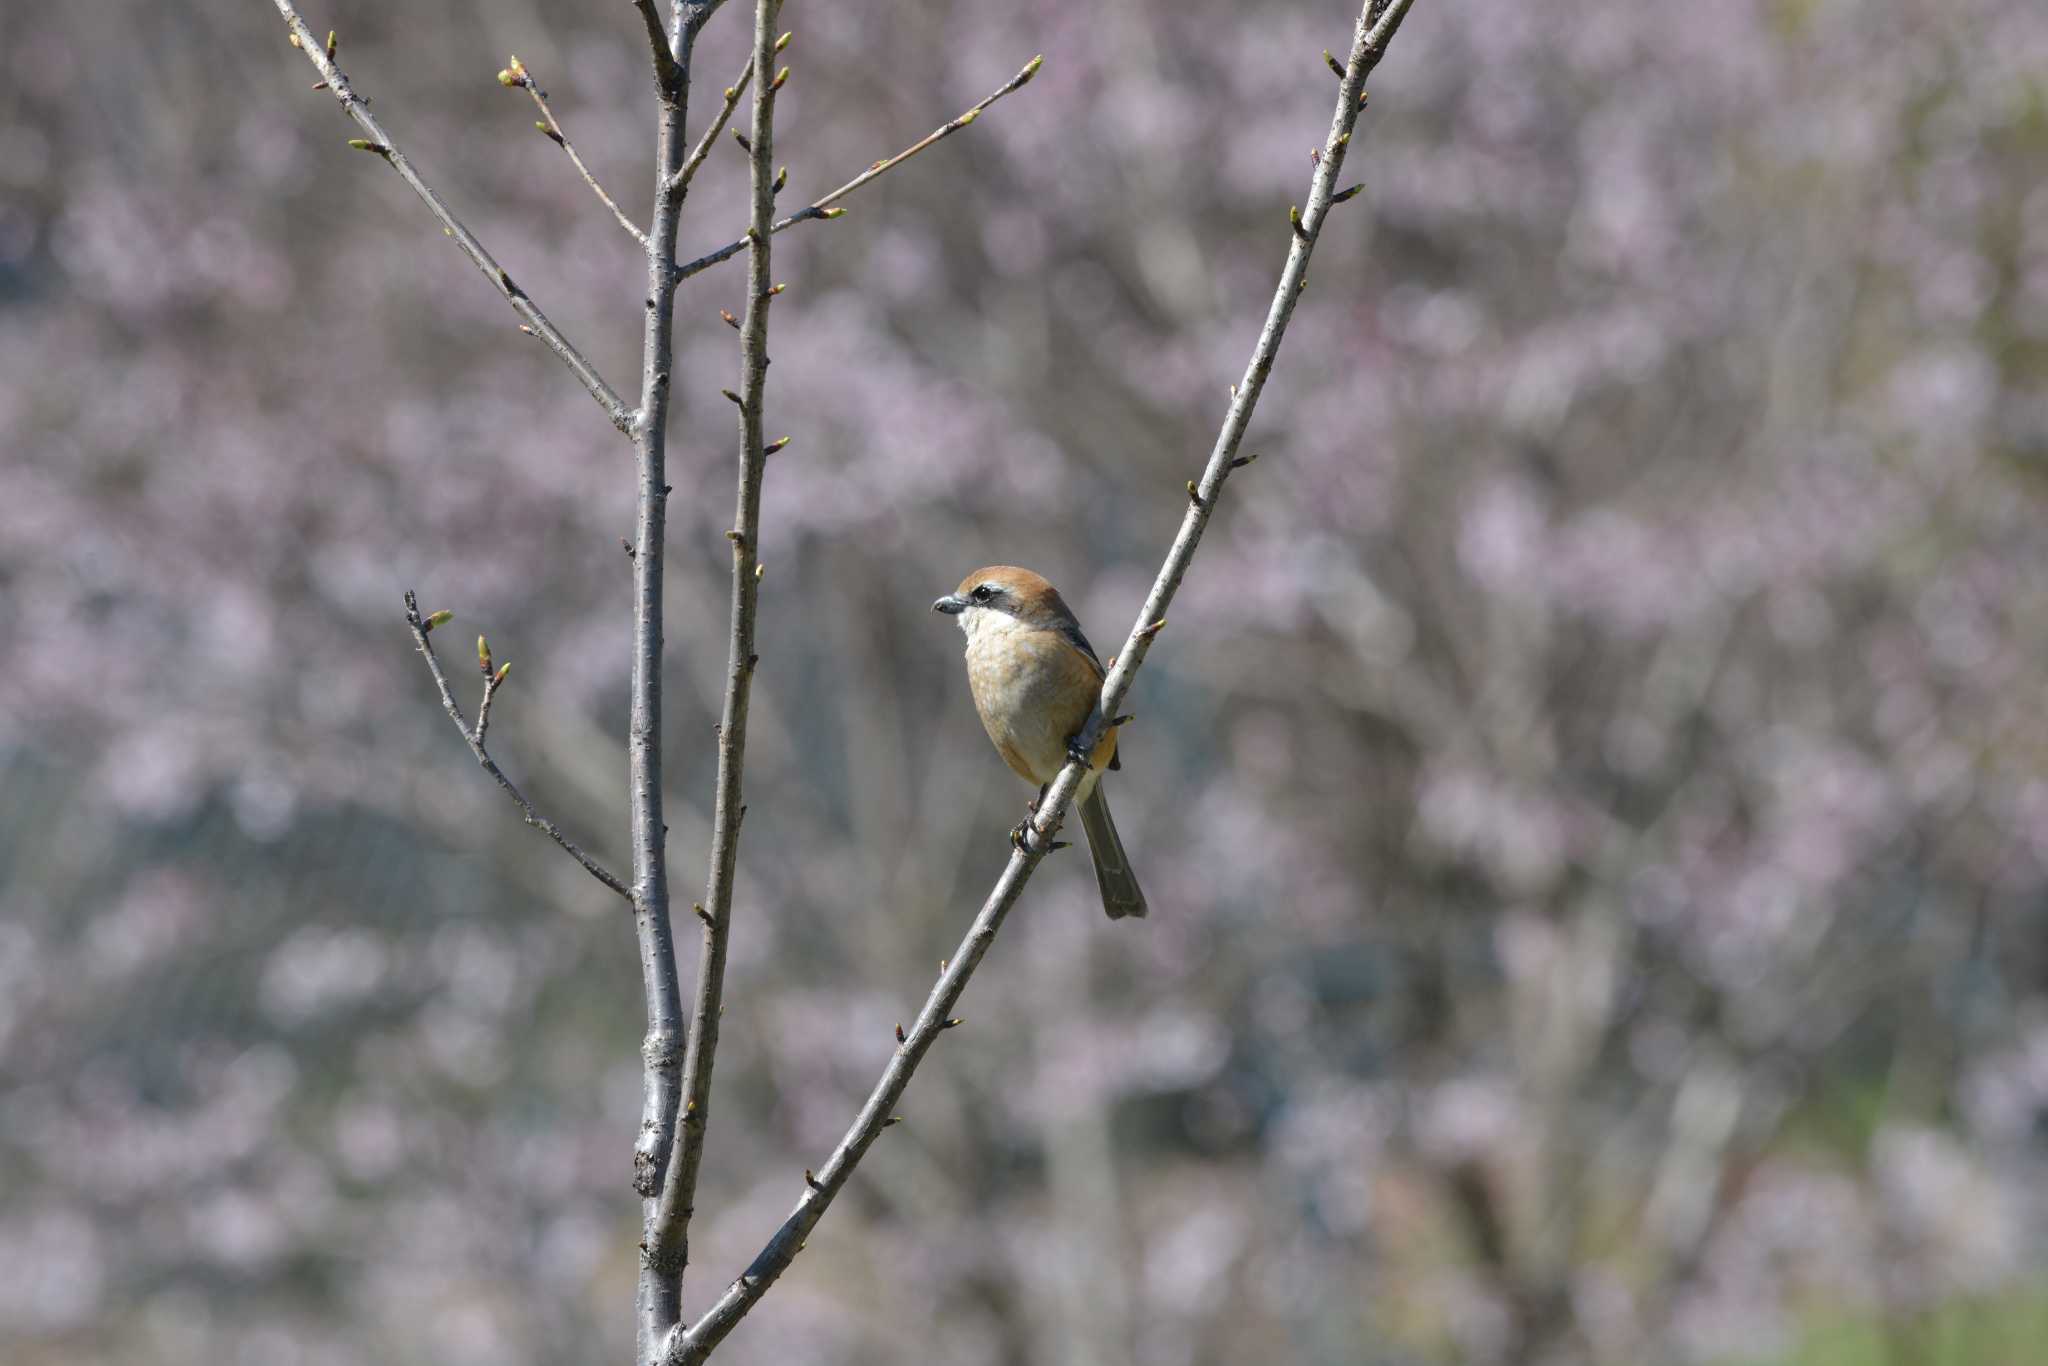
(1593, 794)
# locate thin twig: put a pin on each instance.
(822, 208)
(552, 127)
(380, 142)
(717, 126)
(1376, 27)
(475, 740)
(669, 1248)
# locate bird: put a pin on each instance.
(1035, 679)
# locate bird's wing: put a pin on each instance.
(1071, 629)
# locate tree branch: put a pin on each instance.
(717, 126)
(356, 107)
(517, 74)
(658, 1299)
(665, 70)
(475, 740)
(823, 208)
(669, 1248)
(1376, 27)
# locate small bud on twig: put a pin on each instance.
(1194, 494)
(783, 41)
(780, 77)
(899, 1032)
(1335, 65)
(702, 914)
(440, 618)
(1030, 69)
(892, 1121)
(1294, 220)
(498, 679)
(331, 44)
(483, 655)
(811, 1180)
(1342, 195)
(1244, 460)
(774, 446)
(741, 139)
(781, 179)
(760, 572)
(734, 397)
(833, 212)
(552, 135)
(365, 145)
(953, 1023)
(730, 320)
(969, 117)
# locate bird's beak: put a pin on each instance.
(952, 605)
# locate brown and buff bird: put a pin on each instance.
(1035, 679)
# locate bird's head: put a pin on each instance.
(1004, 589)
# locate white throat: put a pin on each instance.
(983, 624)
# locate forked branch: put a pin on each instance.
(422, 628)
(1375, 30)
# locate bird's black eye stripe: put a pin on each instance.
(982, 593)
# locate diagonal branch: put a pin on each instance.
(717, 126)
(669, 1247)
(517, 74)
(823, 208)
(1376, 27)
(475, 740)
(666, 71)
(357, 108)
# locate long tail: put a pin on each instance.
(1120, 894)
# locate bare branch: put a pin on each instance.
(517, 74)
(658, 1297)
(822, 208)
(475, 740)
(380, 142)
(1376, 27)
(665, 70)
(669, 1248)
(717, 126)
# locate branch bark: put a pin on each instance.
(669, 1243)
(1377, 24)
(658, 1297)
(379, 141)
